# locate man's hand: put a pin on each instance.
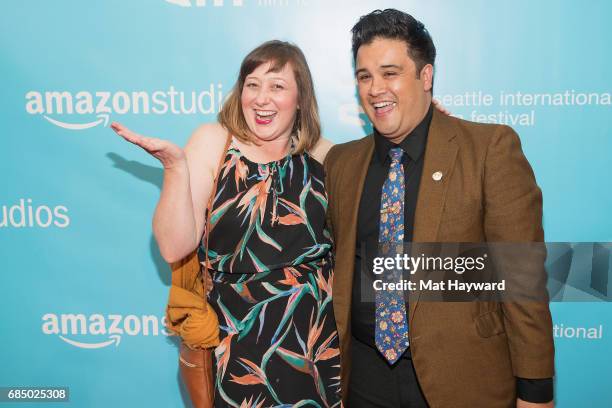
(440, 107)
(524, 404)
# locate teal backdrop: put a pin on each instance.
(83, 284)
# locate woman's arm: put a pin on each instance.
(178, 221)
(204, 151)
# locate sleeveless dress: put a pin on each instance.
(270, 259)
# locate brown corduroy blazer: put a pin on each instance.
(464, 354)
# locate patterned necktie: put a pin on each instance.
(391, 333)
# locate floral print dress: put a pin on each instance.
(269, 254)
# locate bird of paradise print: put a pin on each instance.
(273, 285)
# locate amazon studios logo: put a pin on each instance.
(85, 109)
(28, 214)
(98, 331)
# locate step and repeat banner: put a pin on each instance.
(83, 284)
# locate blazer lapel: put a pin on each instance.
(348, 196)
(440, 155)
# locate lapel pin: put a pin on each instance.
(437, 176)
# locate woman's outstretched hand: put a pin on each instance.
(169, 154)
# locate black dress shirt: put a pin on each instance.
(368, 221)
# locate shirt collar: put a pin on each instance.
(413, 144)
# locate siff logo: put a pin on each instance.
(49, 104)
(237, 3)
(111, 327)
(202, 3)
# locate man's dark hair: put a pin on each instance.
(395, 24)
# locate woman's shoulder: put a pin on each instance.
(319, 151)
(207, 142)
(212, 132)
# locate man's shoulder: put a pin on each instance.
(352, 145)
(347, 149)
(476, 132)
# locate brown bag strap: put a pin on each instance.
(213, 192)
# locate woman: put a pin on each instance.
(269, 249)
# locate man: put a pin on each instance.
(453, 181)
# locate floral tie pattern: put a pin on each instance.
(391, 332)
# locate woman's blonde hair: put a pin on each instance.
(307, 126)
